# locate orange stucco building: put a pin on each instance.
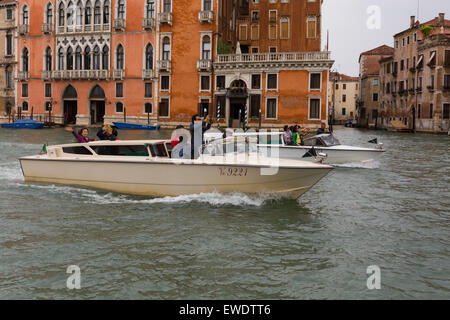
(96, 61)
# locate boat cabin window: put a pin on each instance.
(158, 150)
(271, 139)
(76, 150)
(121, 150)
(169, 148)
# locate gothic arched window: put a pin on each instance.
(105, 58)
(119, 58)
(149, 57)
(69, 59)
(96, 62)
(61, 14)
(48, 59)
(87, 58)
(61, 59)
(25, 59)
(78, 59)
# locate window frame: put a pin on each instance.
(316, 97)
(267, 98)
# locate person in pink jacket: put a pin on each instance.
(81, 135)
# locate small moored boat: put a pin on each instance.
(24, 124)
(145, 167)
(135, 126)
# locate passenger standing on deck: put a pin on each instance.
(322, 128)
(107, 133)
(287, 136)
(197, 128)
(81, 135)
(296, 140)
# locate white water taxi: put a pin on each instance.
(272, 144)
(145, 167)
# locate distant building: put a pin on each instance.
(343, 92)
(370, 88)
(7, 57)
(415, 80)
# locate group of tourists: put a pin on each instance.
(107, 132)
(295, 135)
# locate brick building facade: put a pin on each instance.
(415, 79)
(369, 96)
(96, 61)
(7, 57)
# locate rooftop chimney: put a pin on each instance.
(413, 21)
(441, 19)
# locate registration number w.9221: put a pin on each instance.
(233, 172)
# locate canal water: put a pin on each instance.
(392, 213)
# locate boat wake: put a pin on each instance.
(12, 175)
(97, 197)
(361, 165)
(213, 199)
(10, 172)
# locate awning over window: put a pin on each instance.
(419, 61)
(433, 55)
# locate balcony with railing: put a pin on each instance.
(105, 27)
(147, 74)
(204, 65)
(23, 29)
(165, 18)
(118, 74)
(47, 28)
(148, 23)
(119, 24)
(164, 65)
(270, 59)
(80, 74)
(46, 75)
(205, 16)
(23, 76)
(274, 57)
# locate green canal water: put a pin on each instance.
(392, 213)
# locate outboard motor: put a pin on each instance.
(321, 157)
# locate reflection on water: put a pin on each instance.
(392, 213)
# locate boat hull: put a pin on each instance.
(339, 155)
(23, 126)
(134, 126)
(168, 179)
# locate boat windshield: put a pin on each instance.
(324, 140)
(330, 140)
(231, 145)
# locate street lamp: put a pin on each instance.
(331, 112)
(213, 82)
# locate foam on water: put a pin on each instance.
(361, 165)
(90, 196)
(10, 171)
(214, 199)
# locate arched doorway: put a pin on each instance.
(238, 95)
(70, 102)
(97, 100)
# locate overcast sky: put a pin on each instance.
(349, 34)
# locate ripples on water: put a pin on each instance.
(392, 213)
